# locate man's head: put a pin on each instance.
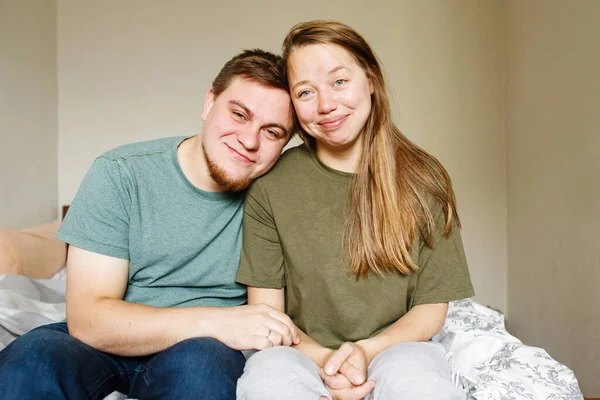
(248, 119)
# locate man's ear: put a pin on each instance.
(208, 103)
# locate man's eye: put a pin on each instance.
(239, 115)
(273, 133)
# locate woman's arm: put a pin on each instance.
(419, 324)
(276, 299)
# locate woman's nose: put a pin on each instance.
(327, 102)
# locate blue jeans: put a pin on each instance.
(48, 363)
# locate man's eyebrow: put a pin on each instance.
(333, 71)
(242, 106)
(251, 114)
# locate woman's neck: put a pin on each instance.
(339, 158)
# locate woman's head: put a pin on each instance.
(334, 73)
(397, 187)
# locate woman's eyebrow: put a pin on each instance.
(336, 69)
(333, 71)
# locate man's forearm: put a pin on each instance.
(129, 329)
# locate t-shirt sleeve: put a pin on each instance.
(98, 218)
(261, 261)
(443, 274)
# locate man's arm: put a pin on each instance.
(98, 315)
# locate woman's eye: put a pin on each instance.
(303, 93)
(273, 133)
(340, 82)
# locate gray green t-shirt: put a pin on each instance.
(183, 243)
(293, 223)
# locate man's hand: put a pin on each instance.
(257, 326)
(345, 373)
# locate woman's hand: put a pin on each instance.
(345, 373)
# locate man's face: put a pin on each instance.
(245, 130)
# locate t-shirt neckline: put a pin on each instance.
(334, 173)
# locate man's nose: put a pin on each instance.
(249, 138)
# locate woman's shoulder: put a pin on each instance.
(291, 163)
(285, 175)
(294, 154)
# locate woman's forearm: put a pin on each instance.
(420, 324)
(313, 350)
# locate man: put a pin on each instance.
(153, 309)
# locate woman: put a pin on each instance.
(355, 234)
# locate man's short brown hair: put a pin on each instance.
(257, 65)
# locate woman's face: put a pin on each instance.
(332, 96)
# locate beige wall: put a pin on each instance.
(28, 127)
(553, 125)
(508, 105)
(138, 70)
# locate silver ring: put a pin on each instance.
(268, 334)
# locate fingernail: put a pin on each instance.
(329, 369)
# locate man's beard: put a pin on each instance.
(219, 175)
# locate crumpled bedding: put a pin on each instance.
(26, 304)
(486, 361)
(489, 363)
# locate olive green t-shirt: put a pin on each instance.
(292, 238)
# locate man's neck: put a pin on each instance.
(193, 164)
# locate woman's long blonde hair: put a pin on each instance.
(391, 192)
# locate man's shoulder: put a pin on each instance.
(148, 147)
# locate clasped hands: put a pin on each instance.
(260, 326)
(345, 373)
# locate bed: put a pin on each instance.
(486, 361)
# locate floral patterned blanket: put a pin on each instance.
(489, 363)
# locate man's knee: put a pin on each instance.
(40, 348)
(38, 356)
(194, 368)
(198, 361)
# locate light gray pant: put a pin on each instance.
(414, 370)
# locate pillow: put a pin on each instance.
(34, 253)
